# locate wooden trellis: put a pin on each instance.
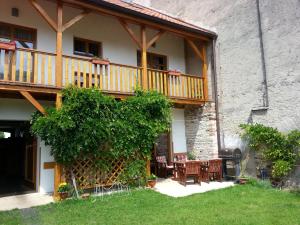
(87, 175)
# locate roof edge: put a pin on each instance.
(120, 9)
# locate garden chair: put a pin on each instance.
(204, 165)
(189, 169)
(215, 169)
(180, 156)
(162, 166)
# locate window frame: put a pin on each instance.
(12, 28)
(87, 42)
(150, 55)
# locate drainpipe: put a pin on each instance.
(215, 84)
(265, 104)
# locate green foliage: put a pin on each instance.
(63, 187)
(281, 168)
(152, 177)
(92, 124)
(281, 149)
(191, 156)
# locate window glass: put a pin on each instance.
(4, 31)
(154, 61)
(24, 37)
(87, 48)
(22, 34)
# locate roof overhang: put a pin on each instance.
(119, 9)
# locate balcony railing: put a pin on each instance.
(28, 66)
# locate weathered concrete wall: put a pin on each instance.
(239, 63)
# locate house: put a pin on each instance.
(112, 45)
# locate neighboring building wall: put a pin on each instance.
(118, 47)
(239, 63)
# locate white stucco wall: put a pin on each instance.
(117, 44)
(178, 131)
(46, 176)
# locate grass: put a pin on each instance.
(244, 204)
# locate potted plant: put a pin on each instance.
(151, 181)
(63, 190)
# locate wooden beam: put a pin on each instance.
(57, 178)
(144, 58)
(44, 14)
(195, 48)
(58, 61)
(204, 73)
(131, 33)
(75, 20)
(34, 102)
(49, 165)
(81, 4)
(155, 38)
(58, 102)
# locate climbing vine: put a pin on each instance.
(281, 149)
(90, 123)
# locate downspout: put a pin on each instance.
(215, 84)
(265, 104)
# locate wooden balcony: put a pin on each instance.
(35, 71)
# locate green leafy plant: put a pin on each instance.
(281, 149)
(191, 156)
(91, 124)
(63, 187)
(152, 177)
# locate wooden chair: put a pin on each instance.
(180, 156)
(162, 166)
(189, 169)
(204, 165)
(215, 169)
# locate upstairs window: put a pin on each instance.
(87, 48)
(23, 36)
(154, 61)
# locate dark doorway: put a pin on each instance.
(17, 158)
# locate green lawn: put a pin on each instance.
(246, 204)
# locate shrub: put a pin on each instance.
(281, 149)
(92, 124)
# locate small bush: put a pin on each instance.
(281, 149)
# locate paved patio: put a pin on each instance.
(174, 189)
(24, 201)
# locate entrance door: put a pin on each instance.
(30, 163)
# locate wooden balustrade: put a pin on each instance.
(177, 86)
(107, 77)
(36, 67)
(27, 66)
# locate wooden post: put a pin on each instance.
(204, 72)
(58, 66)
(144, 58)
(57, 178)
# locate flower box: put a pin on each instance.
(174, 72)
(101, 61)
(11, 46)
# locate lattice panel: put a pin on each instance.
(87, 175)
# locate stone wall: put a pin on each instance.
(200, 129)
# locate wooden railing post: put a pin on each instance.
(204, 73)
(144, 58)
(58, 68)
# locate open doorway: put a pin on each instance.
(18, 158)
